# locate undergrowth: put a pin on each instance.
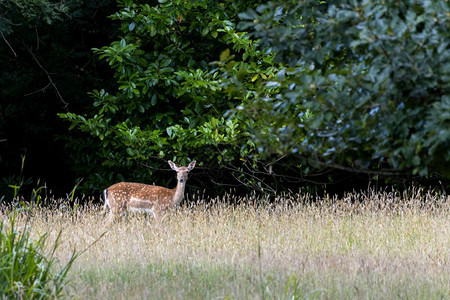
(27, 265)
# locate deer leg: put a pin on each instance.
(106, 202)
(157, 214)
(110, 219)
(114, 213)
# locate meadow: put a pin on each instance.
(369, 245)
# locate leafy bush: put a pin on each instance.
(368, 82)
(178, 67)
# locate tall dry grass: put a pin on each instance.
(364, 245)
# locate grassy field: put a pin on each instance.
(361, 246)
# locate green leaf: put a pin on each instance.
(224, 55)
(154, 100)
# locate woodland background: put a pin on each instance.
(268, 96)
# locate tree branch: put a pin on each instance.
(41, 90)
(382, 172)
(49, 78)
(10, 47)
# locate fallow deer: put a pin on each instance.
(129, 196)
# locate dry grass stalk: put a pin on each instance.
(347, 246)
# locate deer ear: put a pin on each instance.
(173, 166)
(191, 165)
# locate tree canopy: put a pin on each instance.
(368, 81)
(267, 95)
(173, 99)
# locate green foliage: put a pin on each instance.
(26, 271)
(179, 66)
(31, 13)
(368, 82)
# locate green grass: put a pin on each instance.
(26, 270)
(209, 281)
(362, 246)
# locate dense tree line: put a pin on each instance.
(267, 96)
(373, 76)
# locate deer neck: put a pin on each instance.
(179, 193)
